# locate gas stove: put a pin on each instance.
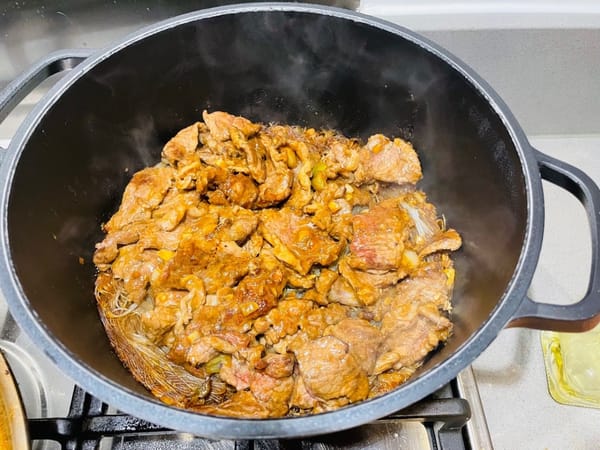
(541, 60)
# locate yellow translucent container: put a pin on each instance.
(573, 366)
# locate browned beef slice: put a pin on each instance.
(330, 370)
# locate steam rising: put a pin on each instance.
(322, 71)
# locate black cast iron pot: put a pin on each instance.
(68, 164)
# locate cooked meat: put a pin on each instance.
(220, 123)
(181, 150)
(301, 398)
(283, 320)
(378, 237)
(144, 192)
(363, 340)
(342, 292)
(272, 393)
(278, 366)
(239, 189)
(407, 342)
(390, 161)
(342, 156)
(431, 283)
(135, 267)
(329, 370)
(365, 290)
(297, 241)
(276, 187)
(240, 404)
(258, 293)
(264, 271)
(447, 240)
(167, 380)
(107, 250)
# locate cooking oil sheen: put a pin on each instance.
(573, 366)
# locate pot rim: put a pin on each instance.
(232, 428)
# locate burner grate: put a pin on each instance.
(89, 426)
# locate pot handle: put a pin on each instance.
(27, 81)
(585, 314)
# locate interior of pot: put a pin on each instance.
(290, 67)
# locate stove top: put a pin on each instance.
(433, 423)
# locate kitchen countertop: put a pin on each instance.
(548, 76)
(510, 374)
